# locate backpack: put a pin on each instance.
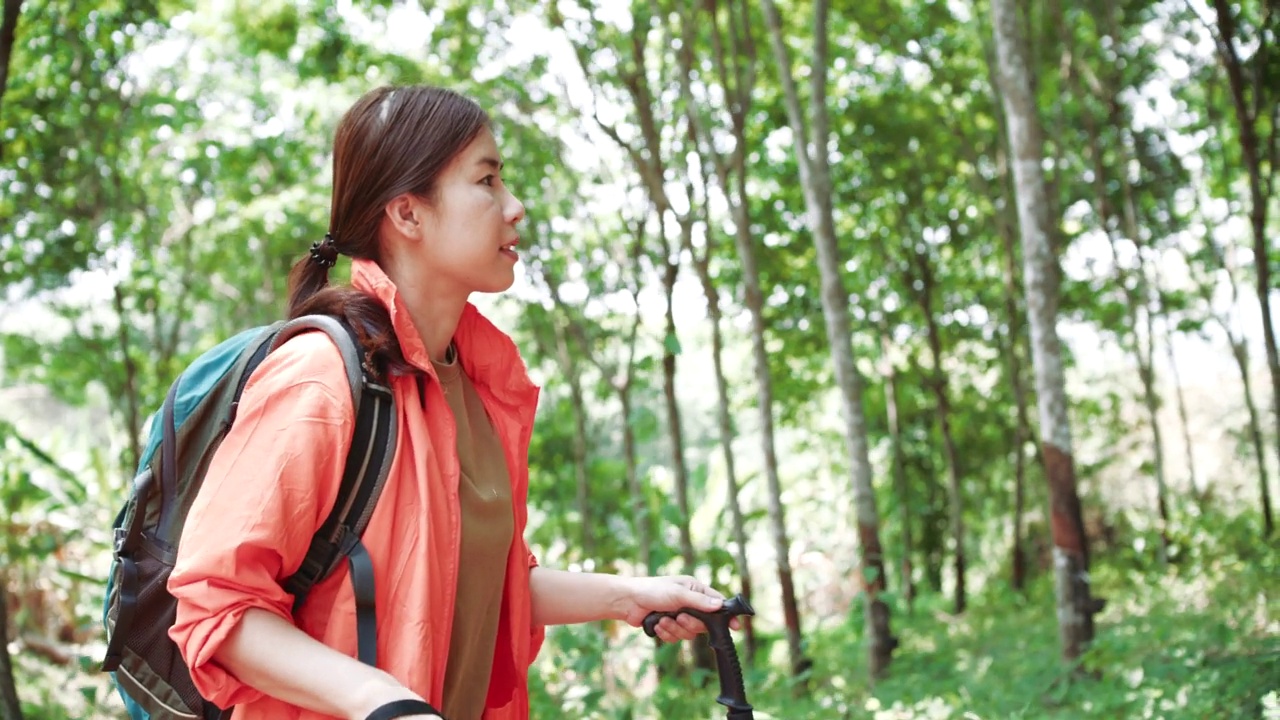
(138, 611)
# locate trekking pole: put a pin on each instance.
(733, 694)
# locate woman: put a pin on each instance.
(420, 206)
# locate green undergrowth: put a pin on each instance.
(1197, 640)
(1200, 639)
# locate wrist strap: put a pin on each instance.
(402, 708)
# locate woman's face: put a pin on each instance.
(469, 232)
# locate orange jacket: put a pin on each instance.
(275, 478)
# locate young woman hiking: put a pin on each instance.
(420, 207)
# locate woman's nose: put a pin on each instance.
(515, 209)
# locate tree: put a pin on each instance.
(10, 709)
(1256, 103)
(1138, 331)
(1041, 283)
(810, 140)
(923, 279)
(8, 36)
(734, 73)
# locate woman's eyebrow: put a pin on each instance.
(492, 162)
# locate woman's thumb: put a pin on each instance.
(704, 602)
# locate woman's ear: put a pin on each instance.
(403, 213)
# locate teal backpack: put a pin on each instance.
(200, 407)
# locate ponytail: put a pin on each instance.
(311, 294)
(306, 279)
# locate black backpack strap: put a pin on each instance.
(368, 462)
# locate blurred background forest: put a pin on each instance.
(942, 329)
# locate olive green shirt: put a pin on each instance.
(484, 497)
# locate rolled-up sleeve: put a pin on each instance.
(537, 633)
(269, 487)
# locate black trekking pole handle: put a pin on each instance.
(733, 694)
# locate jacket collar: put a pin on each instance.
(489, 357)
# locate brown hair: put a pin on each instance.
(394, 140)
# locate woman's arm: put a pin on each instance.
(270, 654)
(271, 483)
(561, 598)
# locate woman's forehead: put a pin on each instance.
(483, 150)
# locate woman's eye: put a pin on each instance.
(488, 180)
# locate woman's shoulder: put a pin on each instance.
(307, 368)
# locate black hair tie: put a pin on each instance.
(324, 253)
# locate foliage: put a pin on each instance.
(164, 163)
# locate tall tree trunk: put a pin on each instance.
(900, 485)
(933, 539)
(1007, 224)
(1013, 357)
(648, 158)
(639, 503)
(938, 383)
(642, 523)
(1184, 418)
(724, 423)
(1240, 353)
(582, 485)
(815, 178)
(700, 137)
(675, 427)
(133, 417)
(8, 37)
(735, 70)
(1249, 118)
(649, 161)
(1132, 284)
(10, 708)
(1040, 276)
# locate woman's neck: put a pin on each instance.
(435, 314)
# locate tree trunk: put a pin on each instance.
(932, 536)
(639, 503)
(900, 485)
(1133, 285)
(10, 708)
(675, 432)
(1260, 186)
(8, 37)
(1006, 222)
(735, 71)
(938, 383)
(133, 417)
(1040, 277)
(1184, 419)
(1022, 429)
(815, 178)
(1240, 353)
(724, 423)
(573, 376)
(641, 522)
(702, 265)
(675, 428)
